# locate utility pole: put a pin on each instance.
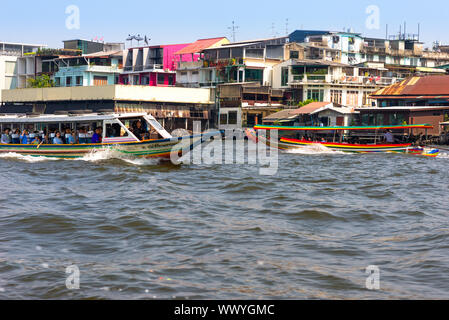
(233, 29)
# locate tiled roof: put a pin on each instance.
(199, 45)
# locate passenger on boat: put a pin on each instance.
(96, 138)
(69, 139)
(36, 139)
(388, 137)
(15, 137)
(139, 131)
(6, 138)
(58, 139)
(24, 137)
(82, 136)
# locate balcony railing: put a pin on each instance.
(356, 80)
(189, 65)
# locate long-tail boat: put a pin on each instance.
(337, 135)
(117, 134)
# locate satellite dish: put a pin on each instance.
(130, 38)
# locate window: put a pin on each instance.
(68, 81)
(160, 78)
(254, 75)
(352, 98)
(57, 81)
(294, 54)
(79, 81)
(232, 117)
(100, 80)
(336, 96)
(171, 80)
(284, 77)
(10, 67)
(315, 94)
(223, 118)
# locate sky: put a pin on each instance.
(174, 21)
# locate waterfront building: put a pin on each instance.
(415, 100)
(238, 62)
(173, 107)
(246, 104)
(40, 62)
(95, 69)
(152, 65)
(314, 114)
(9, 54)
(90, 46)
(187, 72)
(322, 80)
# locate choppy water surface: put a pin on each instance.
(143, 230)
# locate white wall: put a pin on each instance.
(8, 73)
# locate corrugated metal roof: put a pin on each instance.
(311, 107)
(416, 87)
(199, 45)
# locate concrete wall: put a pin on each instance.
(113, 92)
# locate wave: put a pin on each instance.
(314, 149)
(31, 159)
(93, 157)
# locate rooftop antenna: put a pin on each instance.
(233, 29)
(130, 38)
(273, 30)
(286, 27)
(419, 31)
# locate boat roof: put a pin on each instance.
(342, 128)
(23, 118)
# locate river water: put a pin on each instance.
(139, 229)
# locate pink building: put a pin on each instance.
(152, 65)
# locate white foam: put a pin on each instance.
(313, 149)
(13, 155)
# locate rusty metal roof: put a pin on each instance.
(416, 87)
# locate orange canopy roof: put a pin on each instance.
(199, 45)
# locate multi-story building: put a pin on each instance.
(96, 69)
(152, 65)
(416, 100)
(239, 62)
(89, 46)
(9, 53)
(322, 80)
(41, 62)
(246, 104)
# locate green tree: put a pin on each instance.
(42, 81)
(303, 103)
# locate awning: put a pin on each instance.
(433, 70)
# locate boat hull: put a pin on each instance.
(147, 149)
(291, 144)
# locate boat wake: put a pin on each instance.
(95, 156)
(20, 157)
(313, 149)
(111, 154)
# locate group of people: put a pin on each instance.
(67, 136)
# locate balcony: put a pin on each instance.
(190, 65)
(343, 79)
(150, 67)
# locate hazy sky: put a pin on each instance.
(173, 21)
